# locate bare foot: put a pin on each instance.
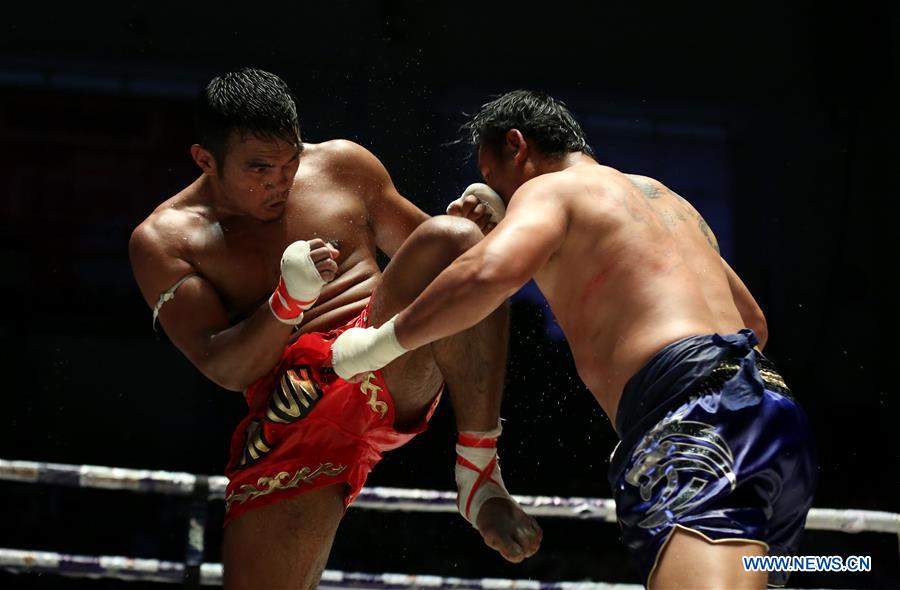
(505, 527)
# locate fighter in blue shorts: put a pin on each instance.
(712, 442)
(716, 461)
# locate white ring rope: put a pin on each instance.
(384, 498)
(128, 568)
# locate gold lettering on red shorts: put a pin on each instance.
(294, 397)
(255, 444)
(370, 389)
(281, 481)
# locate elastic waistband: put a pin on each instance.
(727, 369)
(693, 366)
(689, 368)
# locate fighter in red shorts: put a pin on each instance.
(254, 269)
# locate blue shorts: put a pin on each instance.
(712, 441)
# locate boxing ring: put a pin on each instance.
(200, 490)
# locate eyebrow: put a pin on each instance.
(256, 162)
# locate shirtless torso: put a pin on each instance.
(238, 256)
(715, 458)
(638, 268)
(627, 266)
(226, 233)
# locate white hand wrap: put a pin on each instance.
(487, 197)
(299, 286)
(478, 476)
(360, 350)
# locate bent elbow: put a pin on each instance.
(225, 380)
(237, 385)
(226, 375)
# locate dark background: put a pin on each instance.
(779, 122)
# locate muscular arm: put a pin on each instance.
(391, 217)
(751, 313)
(196, 320)
(481, 279)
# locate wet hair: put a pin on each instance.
(250, 102)
(541, 118)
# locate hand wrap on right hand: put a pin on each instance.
(299, 285)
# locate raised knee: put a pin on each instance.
(455, 233)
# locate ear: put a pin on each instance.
(517, 143)
(204, 159)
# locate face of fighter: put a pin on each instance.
(506, 168)
(256, 176)
(498, 172)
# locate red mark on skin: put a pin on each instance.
(597, 282)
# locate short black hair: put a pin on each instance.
(248, 101)
(540, 117)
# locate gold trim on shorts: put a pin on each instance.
(708, 539)
(267, 485)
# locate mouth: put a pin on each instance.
(276, 200)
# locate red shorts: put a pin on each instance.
(308, 428)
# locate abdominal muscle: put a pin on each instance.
(343, 299)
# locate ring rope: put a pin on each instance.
(153, 570)
(387, 498)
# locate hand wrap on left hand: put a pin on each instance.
(361, 350)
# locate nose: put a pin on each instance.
(283, 182)
(286, 178)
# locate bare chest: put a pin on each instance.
(242, 258)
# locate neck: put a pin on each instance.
(218, 202)
(547, 165)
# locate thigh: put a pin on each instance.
(414, 378)
(689, 560)
(284, 545)
(431, 248)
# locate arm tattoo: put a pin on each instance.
(650, 190)
(626, 200)
(668, 217)
(708, 233)
(704, 227)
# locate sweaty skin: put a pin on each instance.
(627, 266)
(229, 229)
(339, 192)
